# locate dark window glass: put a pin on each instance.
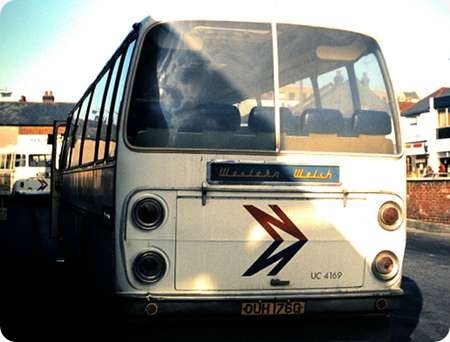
(76, 143)
(118, 101)
(373, 94)
(6, 161)
(20, 160)
(204, 85)
(335, 93)
(90, 134)
(106, 113)
(339, 94)
(68, 143)
(9, 159)
(39, 160)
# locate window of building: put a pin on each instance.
(444, 117)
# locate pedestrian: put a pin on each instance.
(429, 172)
(442, 170)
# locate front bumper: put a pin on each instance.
(140, 305)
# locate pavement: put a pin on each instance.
(431, 227)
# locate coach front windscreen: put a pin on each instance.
(211, 86)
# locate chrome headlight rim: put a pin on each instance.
(377, 262)
(151, 257)
(160, 213)
(390, 205)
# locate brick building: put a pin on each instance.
(24, 128)
(426, 131)
(29, 118)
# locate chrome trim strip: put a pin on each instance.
(275, 295)
(276, 86)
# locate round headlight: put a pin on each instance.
(390, 216)
(149, 267)
(385, 266)
(148, 213)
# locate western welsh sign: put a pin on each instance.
(258, 173)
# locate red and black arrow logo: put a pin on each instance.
(43, 184)
(281, 258)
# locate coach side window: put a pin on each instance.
(76, 144)
(118, 100)
(69, 141)
(106, 113)
(93, 116)
(20, 160)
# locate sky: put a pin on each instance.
(61, 45)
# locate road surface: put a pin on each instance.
(40, 299)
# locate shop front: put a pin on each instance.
(444, 166)
(417, 159)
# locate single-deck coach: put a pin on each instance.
(242, 168)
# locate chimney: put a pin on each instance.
(48, 97)
(5, 93)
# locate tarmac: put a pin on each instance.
(428, 226)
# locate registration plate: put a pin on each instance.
(272, 308)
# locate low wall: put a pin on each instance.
(429, 200)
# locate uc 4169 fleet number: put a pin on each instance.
(326, 275)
